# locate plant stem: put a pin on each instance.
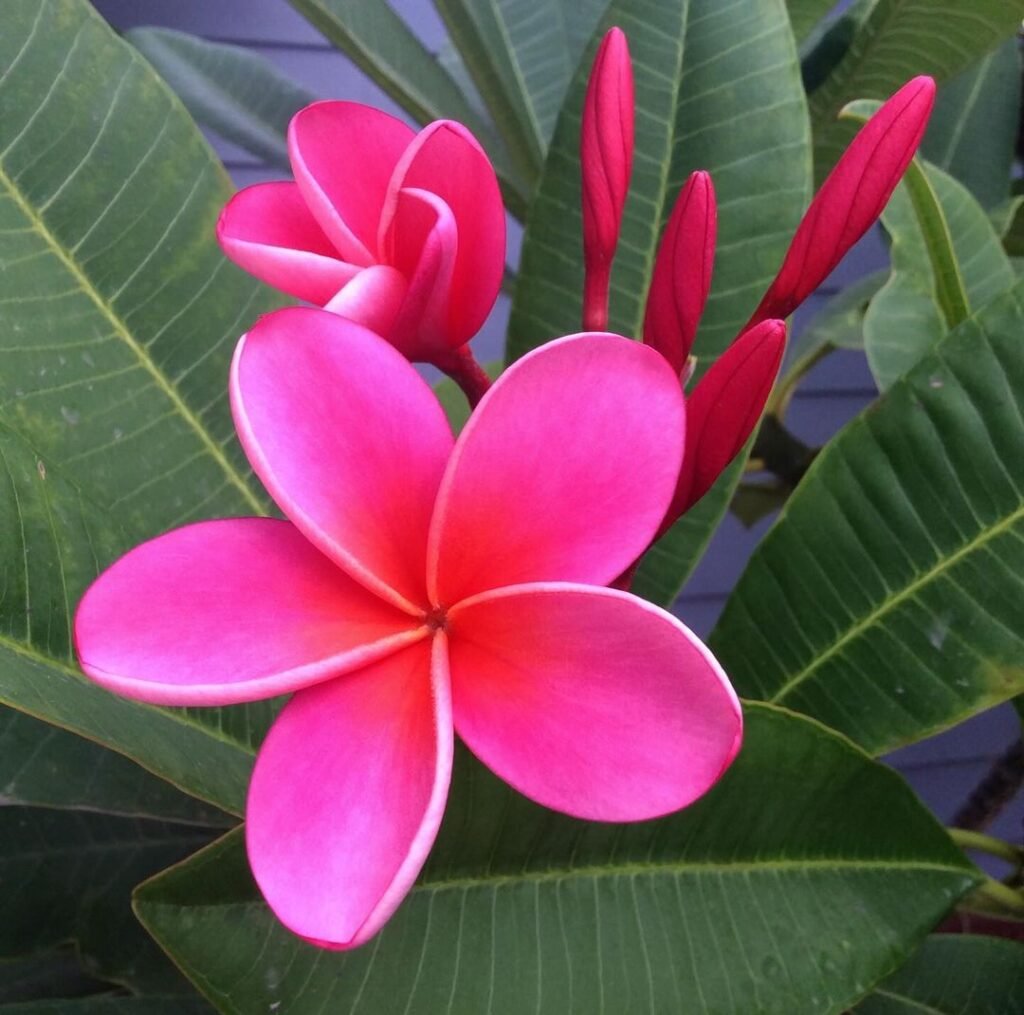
(461, 366)
(1002, 897)
(1007, 851)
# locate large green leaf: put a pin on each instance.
(954, 974)
(885, 601)
(240, 95)
(973, 128)
(804, 877)
(119, 318)
(382, 45)
(69, 876)
(46, 766)
(735, 109)
(896, 41)
(905, 319)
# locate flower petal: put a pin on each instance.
(373, 298)
(590, 701)
(228, 611)
(430, 242)
(682, 272)
(563, 472)
(851, 198)
(349, 440)
(343, 155)
(446, 160)
(348, 793)
(268, 230)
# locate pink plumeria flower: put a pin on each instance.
(399, 231)
(606, 162)
(425, 585)
(851, 198)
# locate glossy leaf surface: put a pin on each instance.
(717, 908)
(885, 601)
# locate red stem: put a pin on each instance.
(461, 366)
(595, 296)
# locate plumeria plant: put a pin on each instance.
(325, 689)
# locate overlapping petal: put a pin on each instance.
(343, 155)
(563, 472)
(590, 701)
(268, 230)
(347, 796)
(228, 611)
(447, 161)
(348, 439)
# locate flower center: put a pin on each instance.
(436, 618)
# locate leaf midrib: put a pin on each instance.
(122, 332)
(890, 603)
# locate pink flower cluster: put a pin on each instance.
(424, 584)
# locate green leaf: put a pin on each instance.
(230, 89)
(884, 602)
(383, 47)
(804, 15)
(734, 109)
(54, 540)
(906, 318)
(954, 974)
(120, 316)
(74, 873)
(896, 41)
(46, 766)
(717, 908)
(973, 128)
(112, 1006)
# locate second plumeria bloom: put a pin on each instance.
(425, 585)
(400, 231)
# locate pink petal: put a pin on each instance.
(373, 299)
(347, 796)
(228, 611)
(852, 197)
(349, 440)
(724, 408)
(343, 155)
(446, 160)
(606, 162)
(427, 258)
(268, 230)
(682, 272)
(590, 701)
(563, 472)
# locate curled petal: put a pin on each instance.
(447, 161)
(606, 162)
(852, 197)
(682, 272)
(268, 230)
(563, 472)
(347, 796)
(343, 155)
(228, 611)
(349, 440)
(590, 701)
(724, 408)
(373, 298)
(429, 242)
